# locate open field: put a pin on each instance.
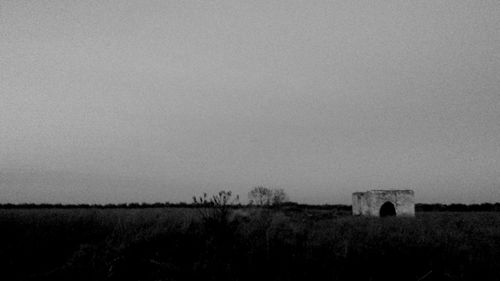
(256, 244)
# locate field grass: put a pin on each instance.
(257, 244)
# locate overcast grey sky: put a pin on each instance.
(119, 101)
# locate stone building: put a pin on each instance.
(381, 203)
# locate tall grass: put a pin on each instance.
(255, 244)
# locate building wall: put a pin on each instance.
(405, 203)
(369, 203)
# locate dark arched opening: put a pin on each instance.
(387, 210)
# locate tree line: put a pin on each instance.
(485, 207)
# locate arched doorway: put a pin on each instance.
(387, 210)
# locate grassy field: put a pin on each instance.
(254, 244)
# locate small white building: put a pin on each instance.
(382, 203)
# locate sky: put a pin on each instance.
(154, 101)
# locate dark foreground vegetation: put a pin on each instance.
(288, 243)
(484, 207)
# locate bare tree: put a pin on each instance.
(279, 197)
(264, 196)
(260, 195)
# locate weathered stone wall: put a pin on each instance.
(369, 203)
(360, 204)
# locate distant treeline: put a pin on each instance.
(420, 207)
(163, 205)
(484, 207)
